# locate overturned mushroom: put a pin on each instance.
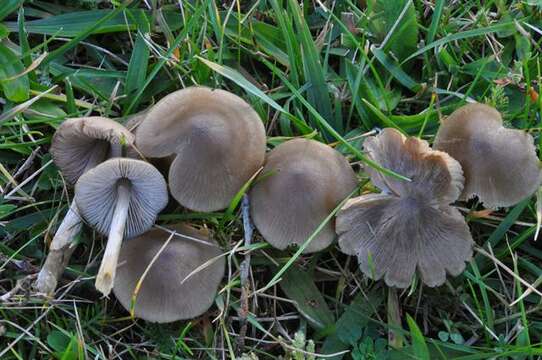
(500, 164)
(78, 145)
(410, 224)
(218, 143)
(119, 198)
(302, 182)
(180, 284)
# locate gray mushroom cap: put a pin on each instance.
(302, 182)
(96, 194)
(79, 141)
(167, 292)
(500, 164)
(411, 224)
(217, 139)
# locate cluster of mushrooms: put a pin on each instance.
(213, 143)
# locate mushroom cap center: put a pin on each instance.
(480, 145)
(411, 205)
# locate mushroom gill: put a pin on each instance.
(411, 225)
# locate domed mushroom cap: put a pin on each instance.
(166, 294)
(500, 164)
(218, 141)
(410, 226)
(302, 182)
(79, 141)
(96, 194)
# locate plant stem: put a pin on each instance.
(106, 275)
(244, 274)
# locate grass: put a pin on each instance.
(321, 69)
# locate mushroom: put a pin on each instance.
(182, 281)
(119, 198)
(216, 138)
(410, 224)
(500, 164)
(78, 145)
(302, 182)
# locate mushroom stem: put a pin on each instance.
(395, 337)
(106, 275)
(60, 251)
(61, 247)
(68, 229)
(115, 150)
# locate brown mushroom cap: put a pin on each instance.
(79, 141)
(301, 184)
(166, 294)
(500, 164)
(96, 194)
(411, 224)
(434, 174)
(218, 141)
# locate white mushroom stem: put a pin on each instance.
(68, 229)
(60, 251)
(106, 275)
(61, 247)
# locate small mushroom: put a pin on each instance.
(218, 143)
(410, 224)
(180, 284)
(500, 164)
(78, 145)
(119, 198)
(302, 182)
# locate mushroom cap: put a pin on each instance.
(77, 140)
(434, 174)
(166, 294)
(96, 194)
(302, 182)
(218, 141)
(500, 164)
(411, 224)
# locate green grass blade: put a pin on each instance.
(461, 36)
(163, 59)
(8, 7)
(137, 68)
(83, 34)
(418, 340)
(17, 88)
(318, 93)
(435, 19)
(240, 80)
(334, 133)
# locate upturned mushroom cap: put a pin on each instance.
(410, 225)
(218, 141)
(96, 194)
(500, 164)
(80, 140)
(302, 182)
(166, 294)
